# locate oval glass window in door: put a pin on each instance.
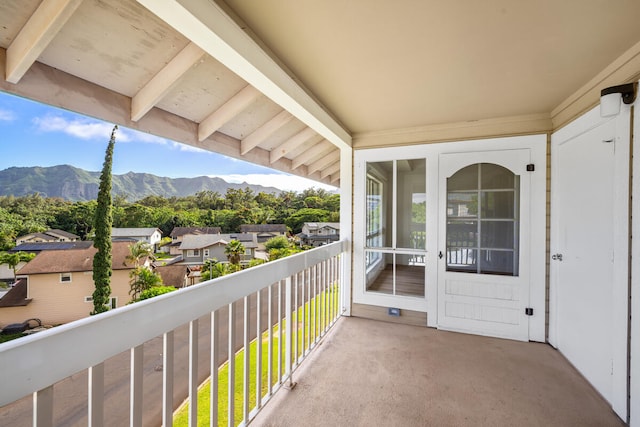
(483, 220)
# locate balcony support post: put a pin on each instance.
(232, 366)
(136, 385)
(247, 362)
(43, 407)
(167, 379)
(215, 363)
(193, 373)
(258, 349)
(289, 331)
(96, 395)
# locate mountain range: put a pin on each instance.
(76, 184)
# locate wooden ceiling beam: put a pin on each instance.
(323, 162)
(330, 170)
(263, 132)
(300, 138)
(35, 36)
(164, 80)
(312, 154)
(227, 111)
(206, 23)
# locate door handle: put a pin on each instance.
(556, 257)
(440, 255)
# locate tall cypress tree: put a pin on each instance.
(103, 222)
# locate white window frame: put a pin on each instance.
(113, 301)
(205, 254)
(64, 275)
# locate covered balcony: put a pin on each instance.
(486, 272)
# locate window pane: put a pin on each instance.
(462, 259)
(497, 234)
(462, 233)
(464, 179)
(379, 272)
(379, 199)
(411, 204)
(395, 274)
(462, 205)
(497, 262)
(498, 204)
(494, 177)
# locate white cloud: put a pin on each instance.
(97, 130)
(280, 181)
(189, 148)
(7, 116)
(79, 128)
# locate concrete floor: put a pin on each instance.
(370, 373)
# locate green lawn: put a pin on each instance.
(181, 417)
(9, 337)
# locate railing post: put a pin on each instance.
(231, 363)
(136, 385)
(43, 407)
(247, 361)
(193, 373)
(259, 350)
(167, 379)
(280, 332)
(289, 330)
(213, 397)
(270, 341)
(96, 395)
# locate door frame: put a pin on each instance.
(620, 288)
(537, 144)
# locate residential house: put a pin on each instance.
(59, 285)
(52, 235)
(319, 233)
(6, 273)
(494, 106)
(173, 275)
(151, 236)
(196, 249)
(178, 233)
(264, 232)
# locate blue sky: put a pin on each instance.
(33, 134)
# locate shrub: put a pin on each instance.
(155, 291)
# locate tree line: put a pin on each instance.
(34, 213)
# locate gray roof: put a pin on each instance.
(262, 228)
(201, 241)
(181, 231)
(317, 225)
(130, 232)
(45, 246)
(62, 233)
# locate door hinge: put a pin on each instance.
(531, 167)
(528, 311)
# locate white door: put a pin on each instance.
(587, 212)
(484, 242)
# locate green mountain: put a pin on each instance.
(76, 184)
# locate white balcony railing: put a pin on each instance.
(294, 301)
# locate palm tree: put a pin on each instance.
(233, 251)
(142, 278)
(138, 251)
(15, 258)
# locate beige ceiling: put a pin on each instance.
(381, 65)
(289, 84)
